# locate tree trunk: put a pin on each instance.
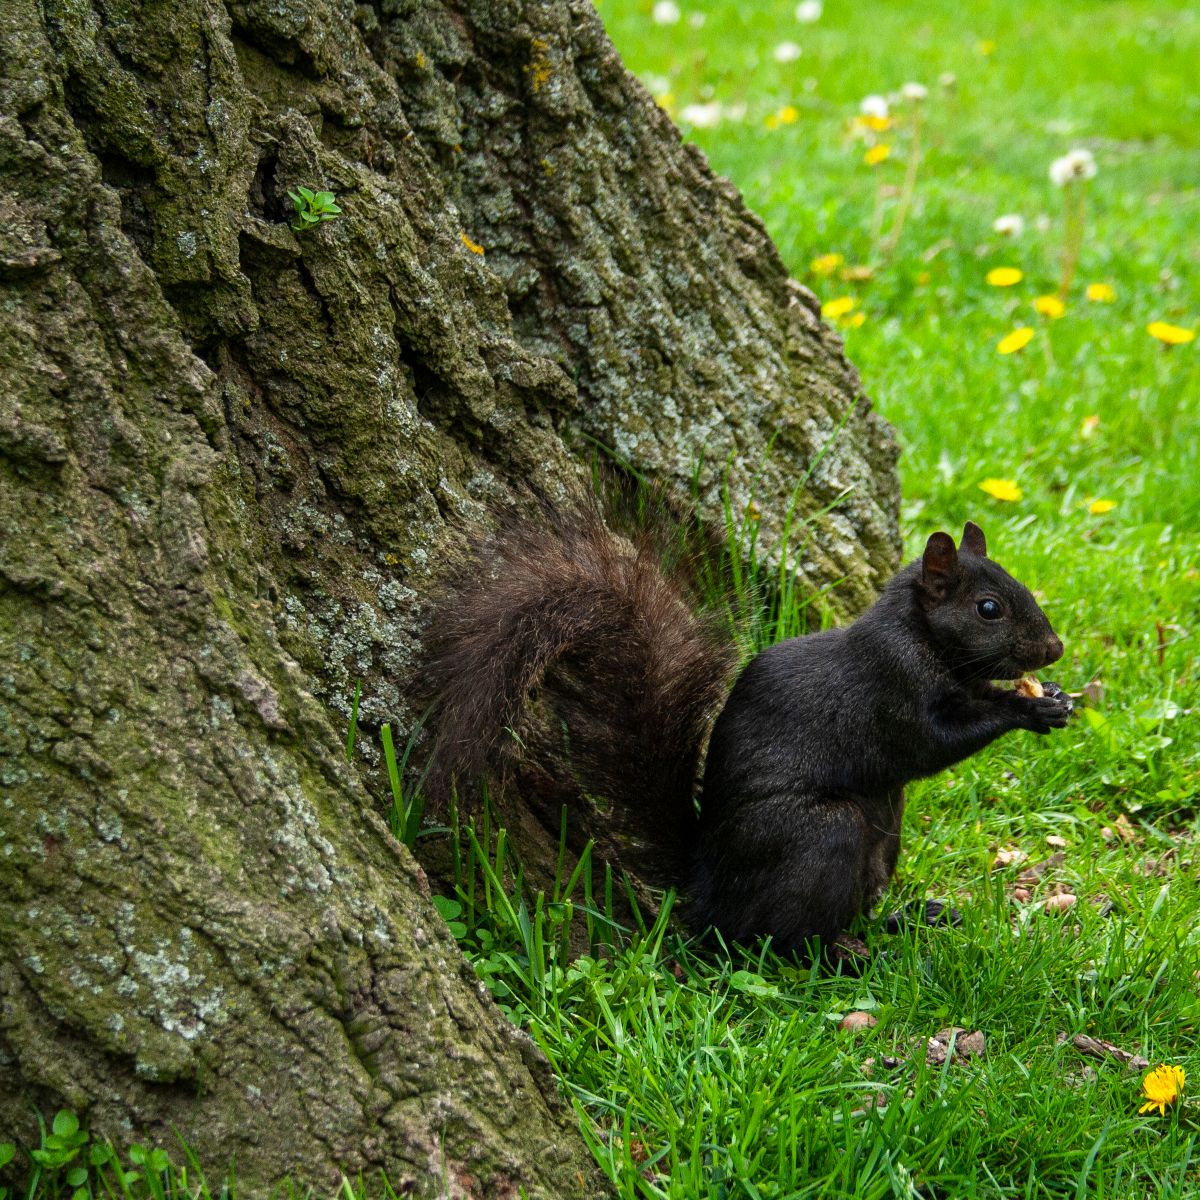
(232, 458)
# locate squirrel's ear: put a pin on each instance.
(973, 541)
(939, 562)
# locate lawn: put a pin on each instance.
(697, 1077)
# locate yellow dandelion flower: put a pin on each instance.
(788, 114)
(1170, 335)
(474, 247)
(877, 154)
(1004, 276)
(1101, 293)
(826, 264)
(1089, 427)
(1162, 1086)
(1050, 306)
(986, 47)
(856, 321)
(835, 309)
(1001, 489)
(1017, 340)
(872, 117)
(1099, 507)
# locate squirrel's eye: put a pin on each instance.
(989, 610)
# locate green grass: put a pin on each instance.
(696, 1076)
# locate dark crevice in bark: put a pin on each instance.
(266, 199)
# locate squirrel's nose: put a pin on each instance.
(1054, 649)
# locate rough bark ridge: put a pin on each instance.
(231, 459)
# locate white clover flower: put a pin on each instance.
(873, 106)
(702, 116)
(808, 11)
(787, 52)
(948, 80)
(915, 92)
(666, 12)
(1075, 164)
(1009, 225)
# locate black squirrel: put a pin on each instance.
(798, 829)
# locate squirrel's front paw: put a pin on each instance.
(1040, 714)
(1056, 693)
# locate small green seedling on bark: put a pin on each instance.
(313, 207)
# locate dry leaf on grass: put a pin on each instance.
(855, 1021)
(1032, 875)
(1126, 831)
(1097, 1048)
(851, 950)
(965, 1045)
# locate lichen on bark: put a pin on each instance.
(232, 460)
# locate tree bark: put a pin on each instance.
(232, 458)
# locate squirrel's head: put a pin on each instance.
(984, 623)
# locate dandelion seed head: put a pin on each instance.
(874, 106)
(702, 116)
(1075, 164)
(1009, 225)
(787, 52)
(666, 12)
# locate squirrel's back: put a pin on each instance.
(563, 648)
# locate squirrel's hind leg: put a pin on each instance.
(790, 868)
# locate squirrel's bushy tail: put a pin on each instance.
(566, 649)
